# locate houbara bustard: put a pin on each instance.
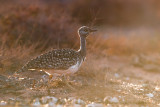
(61, 61)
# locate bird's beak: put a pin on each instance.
(93, 30)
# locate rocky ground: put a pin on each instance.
(102, 81)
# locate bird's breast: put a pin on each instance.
(75, 67)
(70, 70)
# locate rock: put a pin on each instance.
(95, 105)
(47, 99)
(44, 100)
(3, 103)
(150, 95)
(79, 101)
(116, 75)
(36, 103)
(51, 104)
(108, 105)
(77, 105)
(118, 90)
(106, 100)
(54, 99)
(60, 102)
(157, 88)
(59, 105)
(114, 100)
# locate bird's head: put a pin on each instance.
(84, 31)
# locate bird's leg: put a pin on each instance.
(34, 82)
(50, 78)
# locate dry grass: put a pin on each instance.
(122, 43)
(17, 54)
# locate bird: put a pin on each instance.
(61, 61)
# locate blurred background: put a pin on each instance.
(28, 28)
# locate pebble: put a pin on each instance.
(60, 101)
(116, 75)
(54, 99)
(77, 105)
(157, 88)
(106, 100)
(47, 99)
(118, 90)
(108, 105)
(95, 105)
(36, 103)
(44, 100)
(150, 95)
(3, 103)
(114, 100)
(51, 104)
(79, 101)
(59, 105)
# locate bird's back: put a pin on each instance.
(58, 59)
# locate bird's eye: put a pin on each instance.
(85, 30)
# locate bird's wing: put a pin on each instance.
(60, 59)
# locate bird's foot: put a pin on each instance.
(50, 78)
(54, 82)
(61, 81)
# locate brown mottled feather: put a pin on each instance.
(58, 59)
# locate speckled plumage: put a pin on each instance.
(57, 59)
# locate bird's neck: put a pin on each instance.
(82, 49)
